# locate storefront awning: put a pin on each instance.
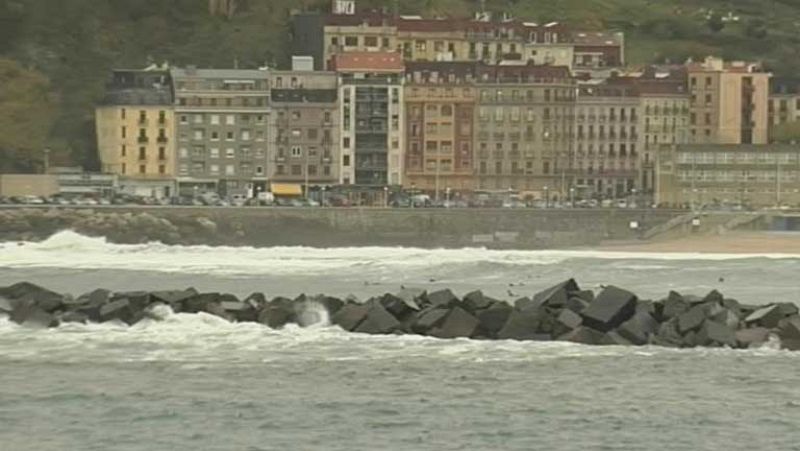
(286, 189)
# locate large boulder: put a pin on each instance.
(576, 304)
(614, 339)
(612, 307)
(668, 334)
(752, 338)
(331, 304)
(768, 317)
(429, 319)
(639, 328)
(556, 296)
(475, 301)
(350, 316)
(673, 306)
(692, 319)
(399, 307)
(27, 313)
(712, 333)
(173, 298)
(583, 335)
(199, 302)
(6, 305)
(789, 328)
(727, 317)
(120, 310)
(378, 321)
(241, 312)
(47, 300)
(522, 326)
(458, 323)
(494, 318)
(443, 298)
(277, 313)
(569, 319)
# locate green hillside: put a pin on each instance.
(73, 44)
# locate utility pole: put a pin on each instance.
(778, 181)
(46, 160)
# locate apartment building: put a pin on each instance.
(524, 127)
(440, 100)
(606, 158)
(728, 103)
(784, 102)
(364, 32)
(222, 129)
(304, 129)
(750, 175)
(372, 111)
(135, 131)
(598, 53)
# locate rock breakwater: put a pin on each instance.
(564, 312)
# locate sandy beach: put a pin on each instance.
(730, 243)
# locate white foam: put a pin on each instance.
(71, 250)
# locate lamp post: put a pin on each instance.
(385, 197)
(633, 196)
(546, 197)
(46, 160)
(413, 189)
(572, 196)
(322, 199)
(447, 197)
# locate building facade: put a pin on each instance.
(440, 114)
(747, 175)
(372, 113)
(606, 164)
(135, 126)
(222, 130)
(728, 102)
(304, 129)
(524, 124)
(784, 103)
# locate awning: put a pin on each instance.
(286, 189)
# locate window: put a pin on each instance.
(229, 136)
(297, 169)
(245, 134)
(213, 153)
(124, 132)
(230, 169)
(351, 41)
(280, 169)
(230, 152)
(215, 136)
(297, 151)
(184, 119)
(312, 170)
(346, 143)
(230, 119)
(215, 119)
(198, 134)
(259, 170)
(198, 118)
(346, 161)
(162, 153)
(313, 133)
(370, 41)
(124, 150)
(213, 169)
(142, 153)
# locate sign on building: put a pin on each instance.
(347, 7)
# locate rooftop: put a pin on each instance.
(389, 62)
(598, 38)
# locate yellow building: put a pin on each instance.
(728, 102)
(135, 130)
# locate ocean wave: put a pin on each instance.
(71, 250)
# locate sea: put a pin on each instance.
(196, 382)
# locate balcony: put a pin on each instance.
(143, 140)
(162, 139)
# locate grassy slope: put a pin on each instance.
(76, 42)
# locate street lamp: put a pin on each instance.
(413, 190)
(572, 197)
(633, 194)
(385, 197)
(546, 197)
(447, 196)
(322, 199)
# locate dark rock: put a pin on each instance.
(714, 333)
(733, 305)
(29, 314)
(138, 300)
(766, 317)
(727, 317)
(612, 307)
(752, 338)
(529, 305)
(520, 326)
(693, 300)
(790, 344)
(586, 296)
(787, 309)
(674, 306)
(714, 296)
(668, 334)
(216, 309)
(241, 312)
(458, 323)
(428, 320)
(378, 321)
(639, 328)
(331, 304)
(6, 305)
(277, 313)
(789, 328)
(690, 340)
(95, 298)
(350, 316)
(576, 304)
(649, 307)
(172, 297)
(556, 296)
(583, 335)
(121, 310)
(569, 319)
(73, 317)
(256, 300)
(442, 298)
(475, 301)
(399, 307)
(198, 302)
(692, 319)
(494, 318)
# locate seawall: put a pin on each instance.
(329, 227)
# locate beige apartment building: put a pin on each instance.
(524, 127)
(728, 102)
(607, 128)
(440, 114)
(135, 131)
(784, 102)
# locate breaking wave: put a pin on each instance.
(72, 250)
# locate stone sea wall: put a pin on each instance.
(335, 227)
(613, 316)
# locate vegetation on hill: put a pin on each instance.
(70, 45)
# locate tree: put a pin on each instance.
(715, 23)
(27, 111)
